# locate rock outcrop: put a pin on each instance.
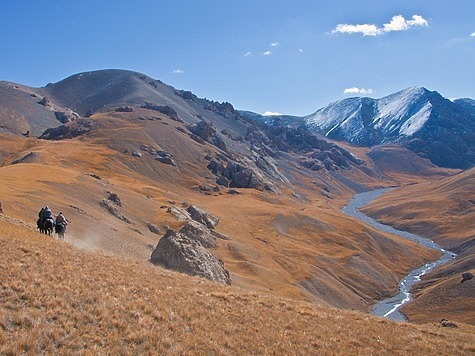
(165, 157)
(204, 131)
(153, 228)
(466, 277)
(236, 175)
(177, 251)
(445, 323)
(113, 210)
(203, 217)
(69, 130)
(164, 109)
(200, 233)
(124, 109)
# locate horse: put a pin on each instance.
(46, 226)
(61, 230)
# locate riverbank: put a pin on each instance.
(390, 307)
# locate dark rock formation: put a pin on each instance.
(45, 102)
(225, 109)
(197, 232)
(107, 204)
(166, 110)
(205, 131)
(322, 154)
(223, 181)
(154, 228)
(70, 130)
(179, 252)
(235, 175)
(187, 95)
(447, 323)
(113, 197)
(165, 157)
(466, 277)
(124, 109)
(203, 217)
(64, 116)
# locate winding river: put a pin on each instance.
(390, 307)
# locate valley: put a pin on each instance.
(125, 156)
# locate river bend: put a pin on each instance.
(390, 307)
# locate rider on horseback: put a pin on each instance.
(47, 214)
(45, 221)
(60, 219)
(61, 224)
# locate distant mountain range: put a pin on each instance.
(421, 120)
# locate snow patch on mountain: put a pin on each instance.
(403, 112)
(335, 113)
(416, 121)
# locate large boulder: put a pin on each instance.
(199, 233)
(179, 252)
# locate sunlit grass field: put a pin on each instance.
(55, 298)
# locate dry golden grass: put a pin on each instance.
(57, 299)
(442, 209)
(293, 248)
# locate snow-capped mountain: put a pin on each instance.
(367, 121)
(422, 120)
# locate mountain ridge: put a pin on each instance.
(416, 118)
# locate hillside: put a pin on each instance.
(286, 245)
(57, 299)
(445, 210)
(128, 156)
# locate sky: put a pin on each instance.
(287, 57)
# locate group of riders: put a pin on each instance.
(46, 222)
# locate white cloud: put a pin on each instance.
(301, 50)
(275, 44)
(355, 90)
(365, 30)
(397, 23)
(267, 53)
(473, 34)
(178, 71)
(271, 113)
(247, 54)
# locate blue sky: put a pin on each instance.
(290, 57)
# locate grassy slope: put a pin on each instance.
(281, 245)
(443, 210)
(56, 298)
